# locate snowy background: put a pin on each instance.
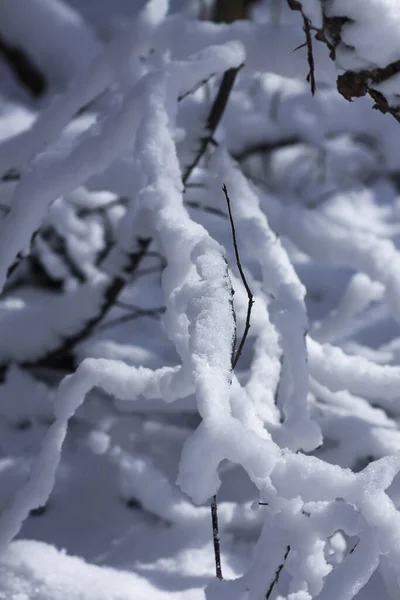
(123, 308)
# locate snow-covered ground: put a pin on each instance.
(120, 413)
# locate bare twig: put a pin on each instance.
(244, 280)
(351, 84)
(206, 208)
(67, 346)
(153, 313)
(110, 297)
(214, 117)
(235, 357)
(354, 547)
(296, 6)
(310, 56)
(195, 88)
(277, 574)
(216, 541)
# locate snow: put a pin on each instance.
(338, 371)
(312, 10)
(33, 570)
(123, 305)
(378, 20)
(55, 24)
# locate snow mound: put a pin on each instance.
(32, 570)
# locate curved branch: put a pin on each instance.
(354, 83)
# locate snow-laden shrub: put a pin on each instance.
(114, 214)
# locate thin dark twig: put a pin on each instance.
(266, 147)
(152, 313)
(232, 307)
(216, 541)
(243, 278)
(57, 244)
(307, 26)
(110, 296)
(195, 88)
(130, 307)
(235, 357)
(277, 574)
(354, 547)
(214, 506)
(214, 117)
(204, 207)
(310, 55)
(299, 47)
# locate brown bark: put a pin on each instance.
(227, 11)
(354, 84)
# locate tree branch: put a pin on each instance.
(110, 297)
(250, 296)
(214, 117)
(152, 312)
(234, 360)
(216, 540)
(351, 84)
(277, 574)
(25, 71)
(296, 6)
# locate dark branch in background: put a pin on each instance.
(111, 295)
(11, 175)
(205, 208)
(140, 312)
(62, 357)
(227, 11)
(26, 72)
(266, 147)
(250, 296)
(59, 246)
(277, 574)
(214, 118)
(57, 356)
